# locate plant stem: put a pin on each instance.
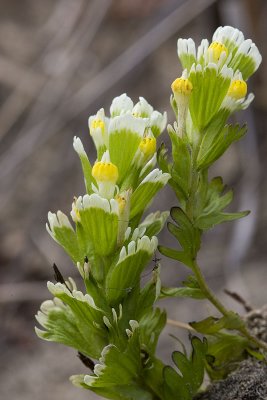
(207, 291)
(220, 307)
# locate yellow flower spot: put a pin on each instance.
(98, 123)
(148, 146)
(105, 172)
(182, 86)
(122, 203)
(237, 89)
(217, 49)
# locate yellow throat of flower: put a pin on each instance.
(182, 86)
(237, 89)
(148, 146)
(217, 49)
(105, 172)
(97, 123)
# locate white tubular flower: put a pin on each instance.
(106, 175)
(75, 215)
(121, 105)
(144, 243)
(142, 109)
(156, 176)
(245, 55)
(231, 37)
(202, 51)
(186, 50)
(158, 122)
(146, 190)
(98, 127)
(123, 201)
(182, 88)
(78, 147)
(58, 220)
(236, 95)
(146, 150)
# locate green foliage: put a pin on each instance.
(225, 351)
(211, 211)
(186, 383)
(216, 141)
(181, 167)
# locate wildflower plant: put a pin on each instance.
(113, 321)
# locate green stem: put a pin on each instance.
(220, 307)
(207, 291)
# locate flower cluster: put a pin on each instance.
(213, 82)
(120, 184)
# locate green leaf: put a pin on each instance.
(180, 256)
(143, 195)
(207, 222)
(67, 238)
(162, 158)
(215, 143)
(182, 292)
(71, 321)
(213, 325)
(187, 235)
(226, 351)
(151, 326)
(181, 169)
(117, 392)
(124, 275)
(187, 383)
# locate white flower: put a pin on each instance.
(78, 146)
(128, 122)
(98, 127)
(121, 105)
(95, 201)
(156, 176)
(144, 243)
(158, 122)
(58, 220)
(142, 108)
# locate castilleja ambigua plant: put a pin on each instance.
(112, 321)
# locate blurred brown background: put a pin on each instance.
(61, 60)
